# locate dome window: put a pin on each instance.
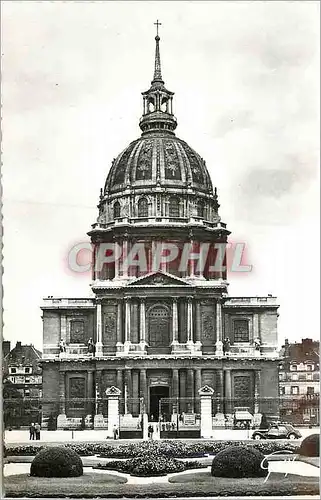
(116, 210)
(173, 207)
(143, 208)
(201, 209)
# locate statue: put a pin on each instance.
(91, 346)
(226, 345)
(62, 345)
(257, 344)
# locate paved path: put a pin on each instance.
(22, 436)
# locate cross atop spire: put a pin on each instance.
(157, 24)
(158, 71)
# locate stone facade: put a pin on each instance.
(299, 381)
(159, 331)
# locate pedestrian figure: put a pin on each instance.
(32, 432)
(115, 432)
(62, 345)
(37, 431)
(150, 431)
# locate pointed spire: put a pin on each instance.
(157, 71)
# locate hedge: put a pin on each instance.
(170, 448)
(56, 461)
(239, 461)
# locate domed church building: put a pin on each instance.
(159, 324)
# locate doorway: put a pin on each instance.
(155, 395)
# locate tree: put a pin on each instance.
(13, 407)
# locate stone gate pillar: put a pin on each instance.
(206, 394)
(113, 394)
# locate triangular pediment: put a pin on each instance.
(159, 278)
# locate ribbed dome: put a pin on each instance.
(158, 159)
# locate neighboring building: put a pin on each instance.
(23, 374)
(5, 348)
(158, 334)
(299, 381)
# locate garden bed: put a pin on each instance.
(170, 448)
(183, 485)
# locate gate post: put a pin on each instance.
(206, 394)
(113, 394)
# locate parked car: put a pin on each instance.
(277, 431)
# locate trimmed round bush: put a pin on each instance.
(239, 461)
(310, 446)
(56, 462)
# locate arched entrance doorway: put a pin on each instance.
(159, 328)
(156, 393)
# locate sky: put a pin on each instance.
(245, 77)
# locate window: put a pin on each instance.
(116, 210)
(143, 208)
(293, 368)
(310, 390)
(27, 392)
(13, 370)
(309, 376)
(201, 209)
(173, 207)
(77, 331)
(309, 368)
(282, 391)
(27, 370)
(241, 330)
(27, 380)
(77, 392)
(294, 390)
(295, 376)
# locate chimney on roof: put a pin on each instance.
(5, 347)
(18, 345)
(286, 341)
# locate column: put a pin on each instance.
(62, 392)
(125, 254)
(99, 402)
(62, 421)
(128, 390)
(228, 391)
(189, 320)
(175, 383)
(63, 327)
(256, 327)
(119, 380)
(127, 320)
(198, 332)
(257, 391)
(198, 385)
(120, 321)
(219, 330)
(190, 390)
(143, 393)
(99, 343)
(220, 391)
(142, 321)
(90, 393)
(117, 254)
(192, 263)
(175, 321)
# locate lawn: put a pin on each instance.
(181, 485)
